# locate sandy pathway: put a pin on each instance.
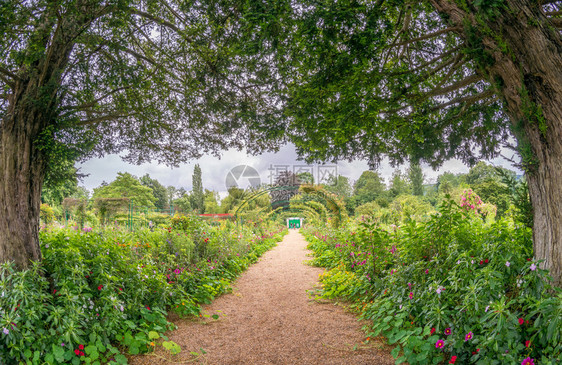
(270, 319)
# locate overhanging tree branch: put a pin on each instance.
(456, 86)
(104, 118)
(465, 99)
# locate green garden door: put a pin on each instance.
(294, 223)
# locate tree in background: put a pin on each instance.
(369, 187)
(398, 184)
(128, 186)
(211, 201)
(339, 185)
(415, 176)
(158, 190)
(447, 182)
(183, 204)
(232, 200)
(198, 198)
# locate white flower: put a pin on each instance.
(47, 245)
(507, 263)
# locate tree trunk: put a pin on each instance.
(22, 169)
(528, 76)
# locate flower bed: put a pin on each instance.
(97, 295)
(450, 290)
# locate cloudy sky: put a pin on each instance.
(215, 171)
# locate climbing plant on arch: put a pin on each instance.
(332, 201)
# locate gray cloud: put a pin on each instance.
(214, 170)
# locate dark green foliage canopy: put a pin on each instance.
(382, 78)
(155, 80)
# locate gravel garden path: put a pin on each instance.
(269, 318)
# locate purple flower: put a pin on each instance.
(533, 267)
(6, 331)
(487, 308)
(448, 331)
(507, 263)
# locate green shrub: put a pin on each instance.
(455, 279)
(97, 293)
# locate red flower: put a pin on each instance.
(54, 291)
(148, 308)
(527, 343)
(474, 352)
(432, 331)
(77, 352)
(477, 350)
(521, 321)
(486, 261)
(82, 354)
(81, 347)
(481, 262)
(453, 359)
(100, 287)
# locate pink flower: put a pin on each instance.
(411, 295)
(448, 331)
(533, 267)
(440, 344)
(521, 321)
(468, 336)
(427, 271)
(528, 361)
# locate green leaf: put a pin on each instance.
(153, 335)
(49, 359)
(395, 352)
(215, 316)
(121, 359)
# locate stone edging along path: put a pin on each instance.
(270, 319)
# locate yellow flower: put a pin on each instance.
(152, 344)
